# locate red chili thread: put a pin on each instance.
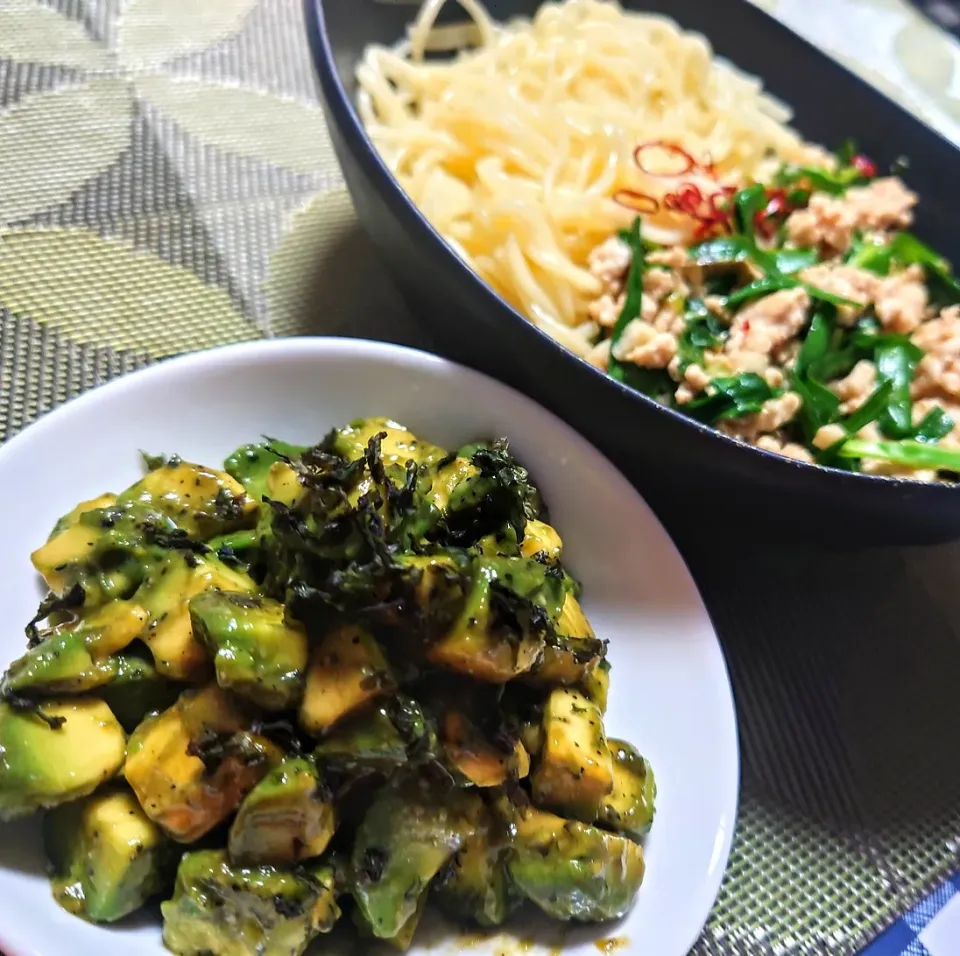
(864, 165)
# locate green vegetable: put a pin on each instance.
(789, 261)
(896, 364)
(724, 251)
(835, 182)
(256, 653)
(936, 424)
(632, 301)
(908, 250)
(223, 909)
(106, 857)
(748, 203)
(908, 452)
(731, 397)
(870, 410)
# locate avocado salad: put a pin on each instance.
(320, 685)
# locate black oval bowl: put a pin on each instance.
(695, 477)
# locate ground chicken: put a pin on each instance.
(829, 222)
(828, 435)
(900, 301)
(609, 262)
(857, 387)
(939, 370)
(599, 355)
(643, 345)
(849, 282)
(787, 449)
(606, 310)
(774, 414)
(765, 325)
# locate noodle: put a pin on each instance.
(514, 150)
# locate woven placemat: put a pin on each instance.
(167, 183)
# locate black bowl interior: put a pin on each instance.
(694, 476)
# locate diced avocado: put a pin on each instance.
(72, 658)
(107, 552)
(137, 689)
(571, 652)
(287, 817)
(575, 770)
(474, 886)
(192, 765)
(596, 685)
(251, 464)
(478, 760)
(629, 808)
(381, 739)
(256, 653)
(283, 484)
(347, 671)
(408, 834)
(224, 909)
(447, 478)
(397, 448)
(499, 634)
(201, 501)
(69, 751)
(403, 940)
(166, 594)
(573, 871)
(106, 856)
(73, 516)
(541, 540)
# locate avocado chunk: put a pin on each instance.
(224, 909)
(347, 671)
(571, 652)
(255, 652)
(61, 752)
(499, 632)
(73, 657)
(541, 540)
(106, 857)
(575, 770)
(474, 886)
(479, 761)
(166, 594)
(397, 448)
(191, 766)
(251, 465)
(573, 871)
(200, 501)
(595, 685)
(382, 739)
(74, 515)
(406, 837)
(137, 689)
(629, 808)
(106, 552)
(287, 817)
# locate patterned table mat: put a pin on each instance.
(167, 183)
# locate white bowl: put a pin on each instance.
(670, 694)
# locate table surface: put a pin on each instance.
(167, 183)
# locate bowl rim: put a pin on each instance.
(388, 186)
(320, 347)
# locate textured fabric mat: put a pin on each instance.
(167, 183)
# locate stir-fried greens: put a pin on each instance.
(322, 681)
(806, 319)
